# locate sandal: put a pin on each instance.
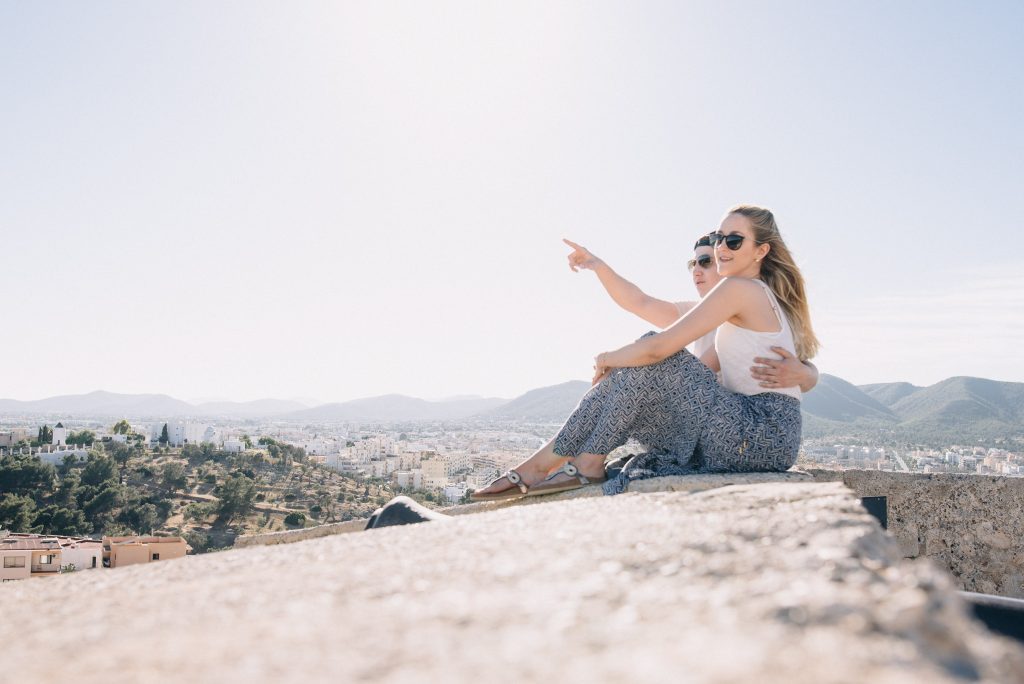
(517, 490)
(578, 480)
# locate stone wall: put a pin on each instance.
(775, 583)
(971, 525)
(289, 536)
(689, 483)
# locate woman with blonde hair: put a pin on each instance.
(659, 394)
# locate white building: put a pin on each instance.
(435, 472)
(60, 435)
(180, 433)
(83, 554)
(57, 457)
(233, 445)
(321, 446)
(455, 491)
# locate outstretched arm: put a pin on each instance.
(627, 295)
(725, 301)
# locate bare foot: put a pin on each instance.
(591, 466)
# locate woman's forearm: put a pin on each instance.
(643, 352)
(717, 307)
(624, 293)
(810, 377)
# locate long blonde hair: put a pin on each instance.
(780, 273)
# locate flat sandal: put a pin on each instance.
(519, 489)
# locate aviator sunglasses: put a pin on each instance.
(704, 261)
(732, 241)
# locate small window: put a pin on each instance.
(45, 560)
(156, 556)
(94, 561)
(14, 562)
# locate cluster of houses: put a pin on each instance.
(36, 555)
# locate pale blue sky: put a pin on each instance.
(335, 200)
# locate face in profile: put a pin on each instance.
(704, 270)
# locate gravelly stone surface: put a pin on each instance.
(747, 583)
(968, 524)
(688, 483)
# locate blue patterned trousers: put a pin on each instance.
(688, 422)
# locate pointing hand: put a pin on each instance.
(581, 257)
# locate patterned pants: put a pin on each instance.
(687, 421)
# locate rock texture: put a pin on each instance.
(787, 582)
(689, 483)
(969, 524)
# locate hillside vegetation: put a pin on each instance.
(206, 495)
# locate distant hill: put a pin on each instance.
(254, 409)
(546, 404)
(835, 399)
(964, 399)
(396, 407)
(889, 393)
(956, 409)
(101, 403)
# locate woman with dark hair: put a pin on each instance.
(657, 392)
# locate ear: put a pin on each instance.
(762, 251)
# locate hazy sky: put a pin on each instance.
(335, 200)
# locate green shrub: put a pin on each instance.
(295, 520)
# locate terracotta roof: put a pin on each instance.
(28, 545)
(64, 541)
(143, 540)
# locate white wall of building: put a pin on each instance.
(60, 435)
(86, 557)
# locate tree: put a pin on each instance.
(17, 513)
(172, 477)
(326, 503)
(59, 520)
(164, 437)
(197, 512)
(99, 470)
(45, 435)
(121, 427)
(67, 464)
(24, 474)
(295, 519)
(247, 441)
(236, 498)
(98, 504)
(81, 438)
(141, 517)
(122, 454)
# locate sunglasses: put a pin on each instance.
(732, 241)
(704, 261)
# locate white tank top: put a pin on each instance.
(738, 346)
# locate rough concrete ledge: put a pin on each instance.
(789, 582)
(968, 524)
(689, 483)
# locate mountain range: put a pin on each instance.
(959, 407)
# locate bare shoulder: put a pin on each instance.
(736, 286)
